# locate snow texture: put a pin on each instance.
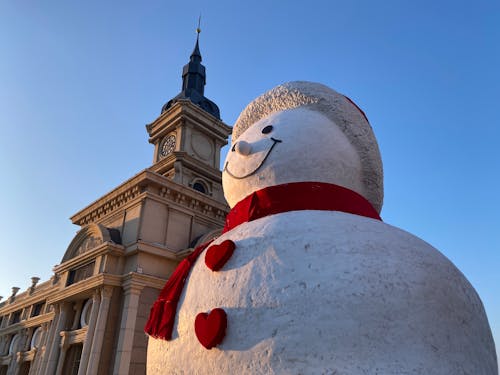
(318, 292)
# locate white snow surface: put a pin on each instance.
(322, 292)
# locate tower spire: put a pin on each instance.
(196, 52)
(193, 81)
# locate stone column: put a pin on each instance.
(87, 345)
(37, 361)
(18, 353)
(17, 363)
(3, 344)
(127, 329)
(100, 328)
(54, 346)
(12, 364)
(62, 355)
(49, 340)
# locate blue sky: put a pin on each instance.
(79, 80)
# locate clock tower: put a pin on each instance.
(189, 134)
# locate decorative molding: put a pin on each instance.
(88, 238)
(138, 187)
(183, 110)
(73, 337)
(105, 248)
(106, 291)
(30, 322)
(140, 281)
(159, 250)
(26, 299)
(191, 162)
(85, 288)
(5, 360)
(27, 355)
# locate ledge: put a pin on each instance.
(105, 248)
(84, 287)
(134, 190)
(31, 322)
(186, 109)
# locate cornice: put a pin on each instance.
(112, 201)
(185, 109)
(23, 300)
(133, 190)
(140, 281)
(194, 164)
(104, 248)
(155, 249)
(85, 287)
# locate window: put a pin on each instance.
(80, 273)
(25, 368)
(72, 360)
(14, 343)
(15, 317)
(85, 315)
(37, 309)
(198, 186)
(35, 338)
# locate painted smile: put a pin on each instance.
(226, 169)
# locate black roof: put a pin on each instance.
(193, 85)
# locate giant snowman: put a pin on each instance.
(306, 278)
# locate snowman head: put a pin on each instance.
(302, 131)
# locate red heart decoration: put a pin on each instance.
(211, 328)
(218, 255)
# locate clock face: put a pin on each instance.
(167, 145)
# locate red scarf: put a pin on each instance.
(269, 201)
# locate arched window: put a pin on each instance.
(35, 339)
(85, 316)
(198, 186)
(14, 344)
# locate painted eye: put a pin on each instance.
(268, 129)
(233, 148)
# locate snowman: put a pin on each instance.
(306, 278)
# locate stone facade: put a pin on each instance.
(89, 317)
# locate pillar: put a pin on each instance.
(62, 355)
(100, 329)
(37, 360)
(127, 329)
(54, 346)
(87, 345)
(49, 340)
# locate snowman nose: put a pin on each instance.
(243, 148)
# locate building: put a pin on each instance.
(89, 317)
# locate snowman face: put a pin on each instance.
(294, 145)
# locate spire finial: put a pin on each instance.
(198, 29)
(196, 52)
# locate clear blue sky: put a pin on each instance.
(79, 80)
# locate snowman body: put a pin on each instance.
(321, 292)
